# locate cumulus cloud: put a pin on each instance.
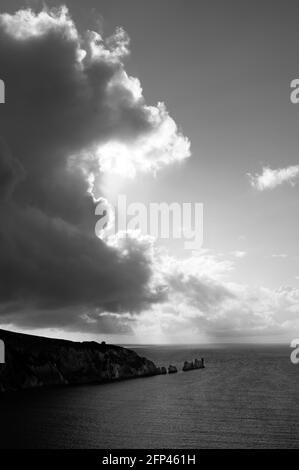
(25, 25)
(270, 179)
(70, 107)
(77, 86)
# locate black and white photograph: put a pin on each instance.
(149, 262)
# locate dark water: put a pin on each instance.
(245, 398)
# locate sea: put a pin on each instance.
(247, 397)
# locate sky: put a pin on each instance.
(227, 137)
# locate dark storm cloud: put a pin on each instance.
(48, 262)
(60, 103)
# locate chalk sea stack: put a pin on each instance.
(197, 364)
(172, 370)
(32, 362)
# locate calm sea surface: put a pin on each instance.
(247, 397)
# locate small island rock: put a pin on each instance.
(197, 364)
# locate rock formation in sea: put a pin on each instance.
(172, 369)
(197, 364)
(32, 361)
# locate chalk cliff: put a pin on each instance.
(32, 361)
